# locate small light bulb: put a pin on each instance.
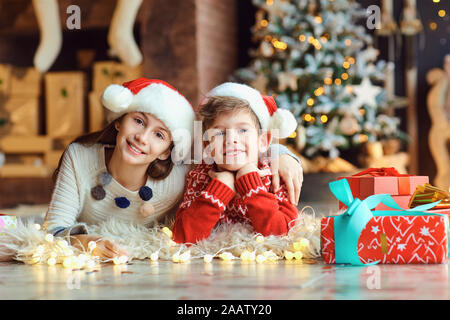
(298, 255)
(226, 256)
(172, 243)
(154, 256)
(123, 259)
(259, 239)
(49, 237)
(51, 261)
(62, 243)
(185, 256)
(176, 257)
(68, 262)
(37, 226)
(260, 258)
(288, 255)
(245, 255)
(40, 249)
(208, 258)
(252, 256)
(167, 231)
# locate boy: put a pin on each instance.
(232, 184)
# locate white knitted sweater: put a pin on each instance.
(72, 206)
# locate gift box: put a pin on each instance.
(23, 115)
(362, 236)
(64, 92)
(428, 193)
(25, 82)
(111, 72)
(384, 180)
(7, 222)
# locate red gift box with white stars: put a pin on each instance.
(394, 239)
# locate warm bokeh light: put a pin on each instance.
(279, 44)
(319, 91)
(328, 81)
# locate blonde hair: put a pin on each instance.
(217, 105)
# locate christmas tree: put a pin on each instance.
(317, 61)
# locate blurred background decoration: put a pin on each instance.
(359, 94)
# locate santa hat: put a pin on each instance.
(157, 98)
(269, 116)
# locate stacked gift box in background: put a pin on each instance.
(384, 180)
(43, 113)
(391, 235)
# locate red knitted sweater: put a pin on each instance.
(208, 201)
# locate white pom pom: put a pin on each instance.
(117, 98)
(283, 121)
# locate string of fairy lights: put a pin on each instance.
(58, 251)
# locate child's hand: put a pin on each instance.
(249, 167)
(105, 248)
(225, 177)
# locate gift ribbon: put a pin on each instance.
(381, 172)
(348, 226)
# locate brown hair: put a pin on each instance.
(157, 169)
(218, 105)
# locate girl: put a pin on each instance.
(125, 171)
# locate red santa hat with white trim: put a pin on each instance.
(157, 98)
(270, 117)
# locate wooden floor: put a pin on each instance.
(221, 280)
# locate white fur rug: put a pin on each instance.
(21, 243)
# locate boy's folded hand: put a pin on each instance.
(225, 177)
(251, 167)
